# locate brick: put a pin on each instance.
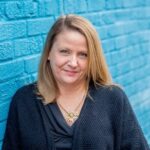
(75, 6)
(143, 87)
(134, 38)
(137, 13)
(113, 70)
(34, 76)
(124, 66)
(41, 8)
(52, 7)
(115, 57)
(48, 7)
(21, 47)
(125, 79)
(137, 63)
(7, 89)
(2, 129)
(129, 77)
(143, 24)
(139, 97)
(133, 3)
(97, 5)
(2, 11)
(111, 58)
(147, 2)
(144, 35)
(136, 100)
(130, 90)
(123, 28)
(11, 69)
(24, 80)
(108, 17)
(91, 17)
(121, 15)
(16, 29)
(147, 59)
(129, 64)
(6, 50)
(30, 9)
(142, 115)
(39, 26)
(34, 60)
(144, 97)
(121, 41)
(139, 86)
(131, 26)
(102, 32)
(36, 44)
(145, 47)
(44, 38)
(144, 106)
(113, 4)
(108, 45)
(4, 108)
(140, 72)
(14, 9)
(28, 46)
(115, 30)
(130, 53)
(20, 9)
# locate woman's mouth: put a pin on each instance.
(71, 72)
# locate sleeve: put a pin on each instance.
(11, 138)
(132, 135)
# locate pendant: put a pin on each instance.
(71, 117)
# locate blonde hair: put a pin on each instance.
(97, 68)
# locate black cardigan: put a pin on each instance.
(106, 123)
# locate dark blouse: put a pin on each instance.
(61, 131)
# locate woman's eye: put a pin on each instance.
(83, 55)
(63, 51)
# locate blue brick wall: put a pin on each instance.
(123, 26)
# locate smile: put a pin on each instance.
(70, 72)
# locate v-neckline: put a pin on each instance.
(62, 119)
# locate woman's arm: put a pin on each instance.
(11, 138)
(132, 135)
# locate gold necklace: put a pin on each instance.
(71, 117)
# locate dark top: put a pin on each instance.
(62, 133)
(106, 123)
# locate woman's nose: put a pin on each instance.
(73, 61)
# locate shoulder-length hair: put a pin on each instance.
(97, 68)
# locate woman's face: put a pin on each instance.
(68, 58)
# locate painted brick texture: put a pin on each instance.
(123, 27)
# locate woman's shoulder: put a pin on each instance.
(25, 93)
(110, 93)
(112, 99)
(26, 89)
(113, 89)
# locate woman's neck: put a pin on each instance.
(72, 89)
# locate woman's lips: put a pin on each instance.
(70, 72)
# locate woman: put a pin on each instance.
(74, 104)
